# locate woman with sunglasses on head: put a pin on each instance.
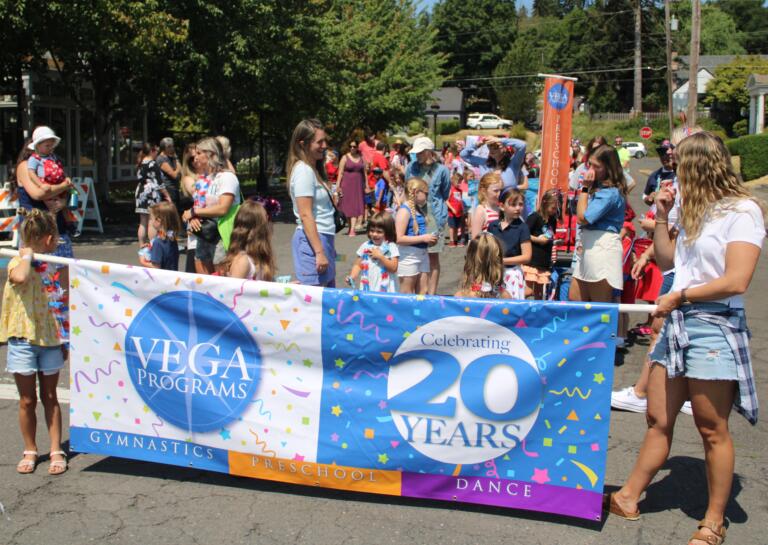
(505, 156)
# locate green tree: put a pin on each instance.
(719, 32)
(751, 17)
(727, 92)
(383, 63)
(116, 46)
(474, 35)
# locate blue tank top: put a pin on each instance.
(421, 221)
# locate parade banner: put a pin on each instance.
(495, 402)
(556, 134)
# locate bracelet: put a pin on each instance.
(585, 190)
(26, 257)
(661, 222)
(684, 296)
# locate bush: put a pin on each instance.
(518, 131)
(753, 151)
(449, 126)
(740, 128)
(415, 127)
(247, 165)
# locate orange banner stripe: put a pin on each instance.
(309, 473)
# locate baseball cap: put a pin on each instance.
(422, 143)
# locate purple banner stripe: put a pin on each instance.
(546, 498)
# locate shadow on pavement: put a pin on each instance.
(134, 468)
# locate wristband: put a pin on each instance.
(585, 190)
(661, 222)
(683, 296)
(26, 257)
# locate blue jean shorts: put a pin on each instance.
(304, 260)
(28, 359)
(709, 356)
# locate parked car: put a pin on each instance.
(487, 121)
(636, 149)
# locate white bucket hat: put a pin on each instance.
(41, 134)
(422, 143)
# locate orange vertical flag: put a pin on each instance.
(556, 134)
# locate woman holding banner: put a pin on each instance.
(600, 212)
(703, 349)
(313, 246)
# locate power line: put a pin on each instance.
(562, 72)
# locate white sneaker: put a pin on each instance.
(686, 408)
(627, 400)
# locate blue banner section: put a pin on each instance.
(467, 387)
(150, 449)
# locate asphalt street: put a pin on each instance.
(117, 501)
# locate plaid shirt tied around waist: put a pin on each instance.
(737, 337)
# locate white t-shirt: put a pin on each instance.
(373, 276)
(304, 184)
(223, 183)
(704, 260)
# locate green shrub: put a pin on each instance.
(448, 126)
(518, 131)
(740, 128)
(247, 165)
(753, 151)
(415, 127)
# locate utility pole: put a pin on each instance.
(638, 98)
(668, 35)
(693, 69)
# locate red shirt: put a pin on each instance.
(332, 171)
(377, 161)
(455, 202)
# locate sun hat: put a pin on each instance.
(422, 143)
(41, 134)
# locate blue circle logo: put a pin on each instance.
(192, 360)
(558, 96)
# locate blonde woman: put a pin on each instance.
(313, 244)
(702, 351)
(222, 194)
(413, 238)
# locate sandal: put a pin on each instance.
(616, 509)
(57, 467)
(715, 538)
(26, 466)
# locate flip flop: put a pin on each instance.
(25, 467)
(57, 467)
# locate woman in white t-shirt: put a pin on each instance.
(313, 248)
(222, 194)
(702, 352)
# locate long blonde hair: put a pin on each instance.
(414, 185)
(706, 178)
(251, 234)
(484, 263)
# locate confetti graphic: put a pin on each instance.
(432, 397)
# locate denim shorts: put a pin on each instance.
(28, 359)
(204, 251)
(304, 263)
(709, 356)
(666, 285)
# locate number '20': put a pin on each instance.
(416, 399)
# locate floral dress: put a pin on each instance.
(148, 192)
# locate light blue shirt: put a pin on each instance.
(605, 210)
(439, 180)
(304, 183)
(509, 175)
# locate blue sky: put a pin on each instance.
(429, 3)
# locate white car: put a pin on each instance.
(487, 121)
(636, 149)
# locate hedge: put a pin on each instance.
(449, 126)
(753, 151)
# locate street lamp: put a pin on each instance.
(435, 107)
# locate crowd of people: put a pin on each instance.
(698, 248)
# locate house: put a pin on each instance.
(757, 87)
(444, 104)
(707, 67)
